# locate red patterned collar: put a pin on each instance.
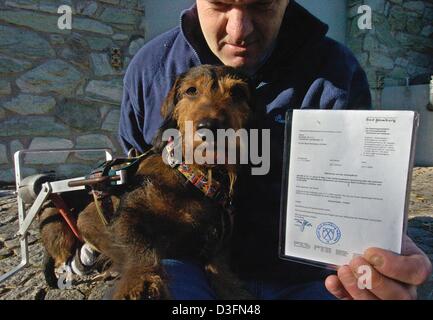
(211, 189)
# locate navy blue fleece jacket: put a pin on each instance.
(306, 70)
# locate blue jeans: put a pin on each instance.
(188, 282)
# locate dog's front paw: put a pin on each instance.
(146, 287)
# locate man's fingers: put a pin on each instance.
(379, 285)
(335, 287)
(413, 270)
(350, 283)
(409, 247)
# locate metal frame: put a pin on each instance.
(25, 220)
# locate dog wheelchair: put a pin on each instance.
(36, 189)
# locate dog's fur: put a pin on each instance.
(160, 216)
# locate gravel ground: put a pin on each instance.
(29, 283)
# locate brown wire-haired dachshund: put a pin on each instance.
(176, 212)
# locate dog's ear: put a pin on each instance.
(158, 143)
(256, 113)
(167, 110)
(241, 75)
(172, 98)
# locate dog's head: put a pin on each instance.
(203, 101)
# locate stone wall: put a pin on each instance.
(399, 47)
(58, 88)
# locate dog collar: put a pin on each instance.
(197, 178)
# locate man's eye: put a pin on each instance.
(191, 91)
(220, 6)
(262, 5)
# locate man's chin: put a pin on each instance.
(241, 63)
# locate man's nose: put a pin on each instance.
(239, 25)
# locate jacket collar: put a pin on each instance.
(299, 32)
(191, 32)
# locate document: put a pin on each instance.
(347, 184)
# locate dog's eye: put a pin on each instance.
(238, 93)
(191, 91)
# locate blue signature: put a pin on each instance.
(302, 223)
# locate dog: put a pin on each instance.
(162, 214)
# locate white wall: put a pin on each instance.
(414, 98)
(162, 15)
(332, 12)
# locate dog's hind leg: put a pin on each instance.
(93, 230)
(57, 238)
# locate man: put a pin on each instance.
(294, 65)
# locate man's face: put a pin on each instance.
(241, 32)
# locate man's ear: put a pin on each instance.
(172, 98)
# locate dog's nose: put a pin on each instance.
(208, 123)
(211, 124)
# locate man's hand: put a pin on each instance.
(393, 276)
